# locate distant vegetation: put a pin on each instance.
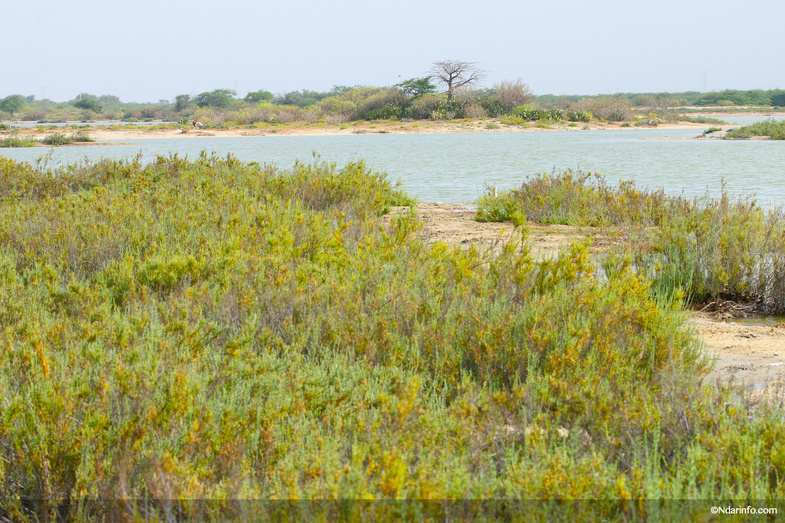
(416, 98)
(53, 139)
(774, 129)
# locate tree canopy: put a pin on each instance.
(455, 73)
(216, 98)
(13, 103)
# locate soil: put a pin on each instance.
(750, 355)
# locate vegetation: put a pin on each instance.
(17, 141)
(710, 249)
(701, 119)
(755, 97)
(53, 139)
(415, 98)
(213, 329)
(774, 129)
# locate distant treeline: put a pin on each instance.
(414, 99)
(728, 97)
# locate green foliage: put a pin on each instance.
(528, 114)
(416, 87)
(701, 119)
(756, 97)
(383, 105)
(774, 129)
(425, 106)
(711, 130)
(17, 141)
(580, 199)
(182, 101)
(710, 249)
(220, 98)
(259, 96)
(13, 103)
(90, 104)
(579, 116)
(513, 120)
(212, 329)
(56, 139)
(80, 137)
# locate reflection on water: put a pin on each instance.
(455, 167)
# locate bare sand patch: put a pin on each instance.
(486, 125)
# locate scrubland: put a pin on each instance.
(208, 329)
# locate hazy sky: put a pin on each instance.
(148, 50)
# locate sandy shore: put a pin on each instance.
(414, 127)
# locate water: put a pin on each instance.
(456, 167)
(749, 119)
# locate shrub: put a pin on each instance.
(710, 249)
(17, 141)
(89, 104)
(423, 107)
(213, 329)
(56, 139)
(513, 120)
(579, 116)
(511, 94)
(774, 129)
(609, 108)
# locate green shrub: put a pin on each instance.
(212, 329)
(16, 141)
(774, 129)
(80, 137)
(579, 116)
(513, 120)
(710, 249)
(701, 119)
(56, 139)
(581, 199)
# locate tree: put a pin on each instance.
(109, 99)
(13, 103)
(455, 73)
(215, 98)
(512, 94)
(90, 104)
(416, 87)
(259, 96)
(181, 101)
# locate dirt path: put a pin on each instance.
(750, 354)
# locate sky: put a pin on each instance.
(150, 50)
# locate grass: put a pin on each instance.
(219, 330)
(774, 129)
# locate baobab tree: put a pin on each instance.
(455, 74)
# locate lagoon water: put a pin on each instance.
(457, 167)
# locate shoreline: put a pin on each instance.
(103, 132)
